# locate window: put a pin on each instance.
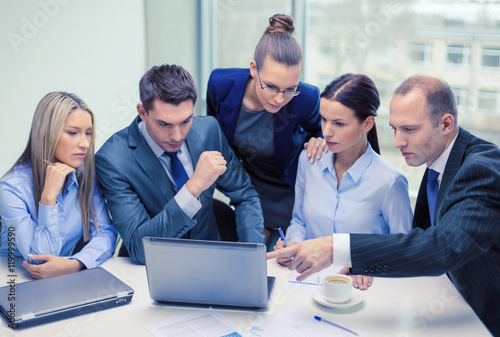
(461, 97)
(488, 101)
(491, 57)
(239, 26)
(383, 53)
(421, 53)
(458, 54)
(386, 40)
(328, 47)
(323, 80)
(392, 40)
(385, 90)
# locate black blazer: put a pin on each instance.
(465, 241)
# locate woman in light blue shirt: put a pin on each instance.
(351, 189)
(50, 198)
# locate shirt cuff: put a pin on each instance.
(87, 261)
(48, 216)
(187, 202)
(342, 250)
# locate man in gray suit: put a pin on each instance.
(456, 223)
(159, 174)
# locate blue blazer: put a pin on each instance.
(465, 241)
(140, 196)
(294, 124)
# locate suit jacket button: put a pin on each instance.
(372, 269)
(365, 270)
(379, 269)
(386, 268)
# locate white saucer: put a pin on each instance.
(356, 298)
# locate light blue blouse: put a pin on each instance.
(372, 198)
(55, 229)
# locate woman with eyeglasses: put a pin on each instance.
(50, 198)
(268, 115)
(351, 189)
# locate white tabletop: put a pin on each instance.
(404, 307)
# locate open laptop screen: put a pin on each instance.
(207, 272)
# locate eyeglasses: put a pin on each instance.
(274, 91)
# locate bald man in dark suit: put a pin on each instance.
(461, 237)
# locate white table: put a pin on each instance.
(423, 306)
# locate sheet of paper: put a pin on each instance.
(313, 279)
(294, 323)
(203, 323)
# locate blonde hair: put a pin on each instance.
(46, 129)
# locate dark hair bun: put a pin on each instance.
(280, 23)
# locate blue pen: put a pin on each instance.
(335, 324)
(282, 237)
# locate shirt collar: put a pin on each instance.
(326, 162)
(71, 181)
(356, 170)
(360, 166)
(440, 163)
(157, 149)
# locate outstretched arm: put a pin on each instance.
(309, 256)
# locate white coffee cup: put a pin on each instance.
(336, 288)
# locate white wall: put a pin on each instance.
(95, 49)
(172, 38)
(172, 28)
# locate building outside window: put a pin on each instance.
(421, 53)
(328, 47)
(384, 53)
(388, 40)
(458, 54)
(488, 102)
(491, 57)
(461, 96)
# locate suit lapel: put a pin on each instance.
(421, 218)
(196, 146)
(231, 107)
(453, 164)
(148, 162)
(194, 143)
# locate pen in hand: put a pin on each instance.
(282, 237)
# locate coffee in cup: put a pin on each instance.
(336, 288)
(336, 280)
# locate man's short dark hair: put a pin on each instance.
(169, 83)
(439, 97)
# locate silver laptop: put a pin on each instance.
(49, 299)
(209, 273)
